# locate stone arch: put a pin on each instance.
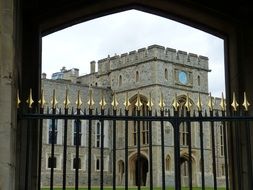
(168, 163)
(133, 166)
(120, 171)
(184, 161)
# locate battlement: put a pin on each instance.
(153, 52)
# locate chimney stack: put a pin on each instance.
(92, 67)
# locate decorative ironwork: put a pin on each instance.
(138, 102)
(42, 100)
(245, 104)
(161, 103)
(91, 101)
(102, 102)
(114, 101)
(188, 103)
(18, 99)
(54, 101)
(127, 103)
(79, 100)
(150, 103)
(222, 103)
(199, 103)
(30, 99)
(66, 102)
(210, 102)
(234, 103)
(175, 104)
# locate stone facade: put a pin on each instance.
(153, 70)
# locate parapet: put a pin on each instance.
(153, 52)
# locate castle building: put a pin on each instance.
(148, 71)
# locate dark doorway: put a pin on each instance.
(140, 179)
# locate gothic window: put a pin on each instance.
(184, 168)
(167, 163)
(137, 76)
(198, 80)
(183, 134)
(166, 74)
(221, 141)
(77, 163)
(120, 80)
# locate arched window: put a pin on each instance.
(166, 74)
(120, 80)
(167, 163)
(137, 76)
(198, 80)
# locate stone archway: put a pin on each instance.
(138, 177)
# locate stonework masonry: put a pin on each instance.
(153, 70)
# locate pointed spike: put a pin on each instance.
(150, 103)
(91, 101)
(188, 103)
(222, 103)
(30, 99)
(126, 103)
(66, 102)
(210, 103)
(54, 101)
(114, 102)
(78, 101)
(245, 104)
(102, 102)
(138, 103)
(18, 99)
(199, 103)
(234, 103)
(42, 101)
(161, 104)
(175, 104)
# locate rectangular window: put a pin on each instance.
(77, 127)
(52, 139)
(98, 164)
(183, 135)
(98, 134)
(221, 141)
(76, 163)
(51, 163)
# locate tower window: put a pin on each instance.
(199, 80)
(166, 74)
(120, 80)
(137, 76)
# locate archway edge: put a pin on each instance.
(69, 13)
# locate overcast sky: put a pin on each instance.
(76, 46)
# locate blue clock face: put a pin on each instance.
(182, 76)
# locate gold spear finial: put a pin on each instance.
(234, 103)
(91, 101)
(66, 102)
(18, 99)
(161, 103)
(150, 103)
(126, 103)
(54, 101)
(114, 102)
(222, 103)
(245, 104)
(30, 99)
(138, 102)
(102, 102)
(188, 103)
(210, 102)
(42, 100)
(199, 103)
(175, 104)
(79, 100)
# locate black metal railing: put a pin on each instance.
(202, 120)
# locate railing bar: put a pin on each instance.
(78, 124)
(52, 152)
(177, 152)
(138, 153)
(202, 152)
(114, 152)
(232, 158)
(248, 147)
(126, 151)
(238, 150)
(65, 151)
(27, 153)
(213, 153)
(89, 151)
(102, 153)
(40, 147)
(162, 152)
(150, 154)
(189, 139)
